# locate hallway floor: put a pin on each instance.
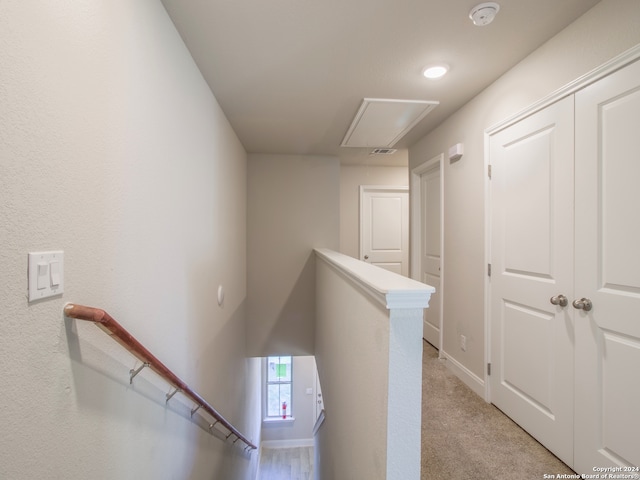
(286, 464)
(463, 437)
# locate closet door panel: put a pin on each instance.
(532, 261)
(607, 253)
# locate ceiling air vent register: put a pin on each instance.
(383, 151)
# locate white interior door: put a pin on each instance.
(607, 382)
(532, 261)
(384, 227)
(431, 251)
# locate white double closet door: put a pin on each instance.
(565, 224)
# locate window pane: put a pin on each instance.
(285, 396)
(271, 368)
(273, 399)
(279, 369)
(279, 390)
(276, 395)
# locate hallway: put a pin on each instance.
(462, 437)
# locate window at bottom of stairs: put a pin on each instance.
(279, 387)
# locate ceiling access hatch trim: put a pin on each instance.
(383, 122)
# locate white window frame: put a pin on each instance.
(278, 418)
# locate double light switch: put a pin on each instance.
(46, 274)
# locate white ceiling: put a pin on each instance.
(291, 74)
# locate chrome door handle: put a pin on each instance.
(559, 300)
(583, 304)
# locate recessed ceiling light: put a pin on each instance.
(435, 71)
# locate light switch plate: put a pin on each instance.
(44, 281)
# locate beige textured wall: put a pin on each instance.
(352, 441)
(113, 149)
(293, 207)
(608, 29)
(351, 177)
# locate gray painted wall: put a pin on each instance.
(293, 207)
(351, 177)
(114, 150)
(352, 441)
(608, 29)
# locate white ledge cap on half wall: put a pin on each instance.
(390, 289)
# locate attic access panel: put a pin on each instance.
(382, 122)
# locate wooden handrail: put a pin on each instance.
(116, 331)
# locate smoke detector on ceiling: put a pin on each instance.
(484, 13)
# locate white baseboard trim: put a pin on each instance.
(431, 334)
(296, 442)
(257, 476)
(469, 378)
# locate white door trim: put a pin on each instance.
(487, 262)
(625, 58)
(415, 195)
(620, 61)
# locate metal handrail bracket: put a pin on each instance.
(116, 331)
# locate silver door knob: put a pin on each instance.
(559, 300)
(366, 257)
(583, 304)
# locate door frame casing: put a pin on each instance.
(415, 208)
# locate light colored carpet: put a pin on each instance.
(463, 437)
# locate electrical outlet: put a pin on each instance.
(463, 343)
